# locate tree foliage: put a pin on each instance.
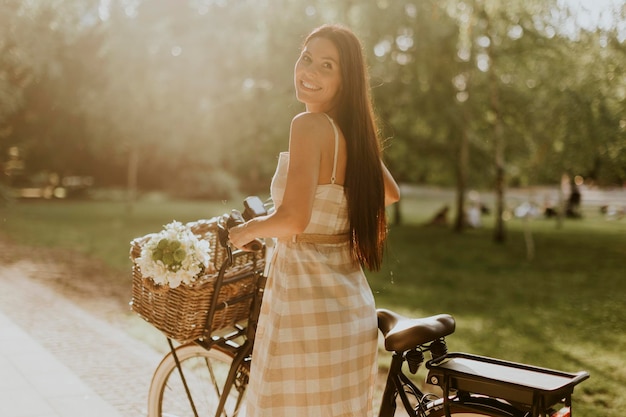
(197, 96)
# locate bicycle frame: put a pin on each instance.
(241, 352)
(467, 381)
(396, 385)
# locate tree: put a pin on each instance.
(34, 78)
(198, 95)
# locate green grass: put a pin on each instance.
(562, 309)
(99, 229)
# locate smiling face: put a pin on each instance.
(317, 75)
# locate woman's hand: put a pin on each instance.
(239, 236)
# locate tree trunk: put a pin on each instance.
(461, 182)
(133, 173)
(564, 190)
(499, 232)
(498, 141)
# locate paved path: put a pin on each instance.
(65, 349)
(59, 360)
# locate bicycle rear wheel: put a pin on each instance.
(473, 406)
(205, 372)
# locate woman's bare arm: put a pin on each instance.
(294, 213)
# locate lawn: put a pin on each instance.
(563, 308)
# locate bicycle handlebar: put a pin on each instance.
(253, 208)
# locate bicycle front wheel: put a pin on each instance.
(473, 406)
(205, 373)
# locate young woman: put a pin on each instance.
(315, 348)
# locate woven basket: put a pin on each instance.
(181, 313)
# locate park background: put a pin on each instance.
(117, 117)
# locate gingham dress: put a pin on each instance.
(315, 348)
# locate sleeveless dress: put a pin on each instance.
(316, 344)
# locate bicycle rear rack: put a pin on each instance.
(524, 386)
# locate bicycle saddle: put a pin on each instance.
(403, 333)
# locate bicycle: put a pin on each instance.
(208, 377)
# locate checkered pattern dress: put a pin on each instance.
(315, 348)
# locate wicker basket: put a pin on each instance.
(182, 313)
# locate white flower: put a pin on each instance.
(174, 256)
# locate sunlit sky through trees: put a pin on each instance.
(598, 13)
(99, 84)
(590, 14)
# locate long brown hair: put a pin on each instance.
(364, 184)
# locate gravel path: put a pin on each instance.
(82, 325)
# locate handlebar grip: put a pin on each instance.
(235, 219)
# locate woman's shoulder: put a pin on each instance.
(309, 119)
(310, 123)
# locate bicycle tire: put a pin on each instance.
(205, 372)
(473, 406)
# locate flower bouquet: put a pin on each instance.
(174, 256)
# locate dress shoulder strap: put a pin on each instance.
(333, 176)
